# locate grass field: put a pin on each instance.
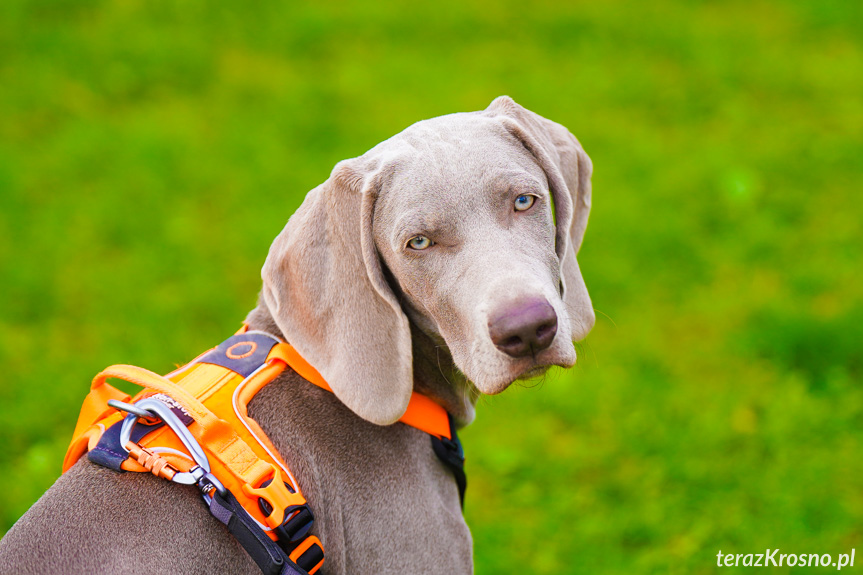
(151, 151)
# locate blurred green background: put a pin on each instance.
(151, 150)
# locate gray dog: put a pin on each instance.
(443, 260)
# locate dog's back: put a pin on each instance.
(379, 495)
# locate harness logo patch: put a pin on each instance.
(242, 353)
(241, 350)
(178, 409)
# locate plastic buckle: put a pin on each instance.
(277, 496)
(298, 521)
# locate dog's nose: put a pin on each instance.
(523, 329)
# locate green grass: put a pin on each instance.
(150, 151)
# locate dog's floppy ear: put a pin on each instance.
(568, 170)
(324, 286)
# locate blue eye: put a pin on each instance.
(419, 243)
(524, 202)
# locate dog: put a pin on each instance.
(441, 261)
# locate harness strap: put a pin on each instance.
(451, 453)
(422, 411)
(271, 559)
(196, 416)
(217, 434)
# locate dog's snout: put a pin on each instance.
(523, 329)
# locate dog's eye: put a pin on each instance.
(419, 243)
(524, 202)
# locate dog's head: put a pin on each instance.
(466, 225)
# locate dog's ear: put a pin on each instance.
(324, 286)
(568, 170)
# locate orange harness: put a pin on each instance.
(192, 426)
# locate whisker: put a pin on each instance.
(608, 317)
(571, 307)
(439, 368)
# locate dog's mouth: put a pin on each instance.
(491, 372)
(535, 371)
(531, 370)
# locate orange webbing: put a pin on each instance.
(426, 415)
(147, 379)
(226, 446)
(422, 412)
(216, 434)
(289, 355)
(240, 453)
(79, 446)
(95, 405)
(244, 451)
(94, 408)
(249, 389)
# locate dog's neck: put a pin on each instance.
(435, 373)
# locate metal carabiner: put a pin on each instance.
(151, 408)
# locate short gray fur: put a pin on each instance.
(378, 320)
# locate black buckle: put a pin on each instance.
(296, 527)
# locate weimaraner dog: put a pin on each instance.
(443, 260)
